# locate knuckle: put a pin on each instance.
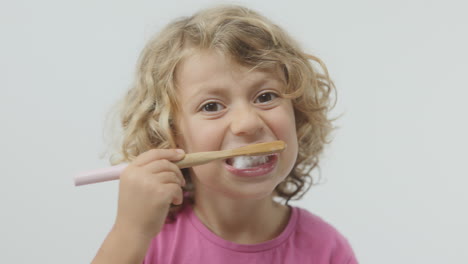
(165, 164)
(174, 174)
(174, 189)
(168, 193)
(169, 175)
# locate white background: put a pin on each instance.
(395, 173)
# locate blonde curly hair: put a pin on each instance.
(250, 39)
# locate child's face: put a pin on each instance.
(224, 106)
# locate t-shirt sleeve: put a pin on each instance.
(333, 247)
(343, 252)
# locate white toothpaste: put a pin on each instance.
(244, 162)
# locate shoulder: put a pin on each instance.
(315, 232)
(314, 225)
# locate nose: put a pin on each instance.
(246, 122)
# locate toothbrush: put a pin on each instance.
(190, 160)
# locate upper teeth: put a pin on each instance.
(243, 162)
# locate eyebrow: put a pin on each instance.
(203, 90)
(220, 89)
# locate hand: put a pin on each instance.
(147, 188)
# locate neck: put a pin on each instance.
(244, 221)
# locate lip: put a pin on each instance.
(255, 171)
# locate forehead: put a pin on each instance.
(210, 68)
(201, 65)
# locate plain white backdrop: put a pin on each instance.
(395, 174)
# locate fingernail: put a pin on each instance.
(180, 151)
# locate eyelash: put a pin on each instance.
(272, 94)
(203, 108)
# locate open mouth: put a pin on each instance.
(247, 162)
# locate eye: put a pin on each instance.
(266, 97)
(212, 107)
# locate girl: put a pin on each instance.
(224, 78)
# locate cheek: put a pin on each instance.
(284, 127)
(284, 123)
(198, 136)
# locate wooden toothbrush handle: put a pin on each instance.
(194, 159)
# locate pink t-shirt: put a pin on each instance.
(306, 239)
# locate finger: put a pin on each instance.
(164, 166)
(157, 154)
(169, 177)
(177, 193)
